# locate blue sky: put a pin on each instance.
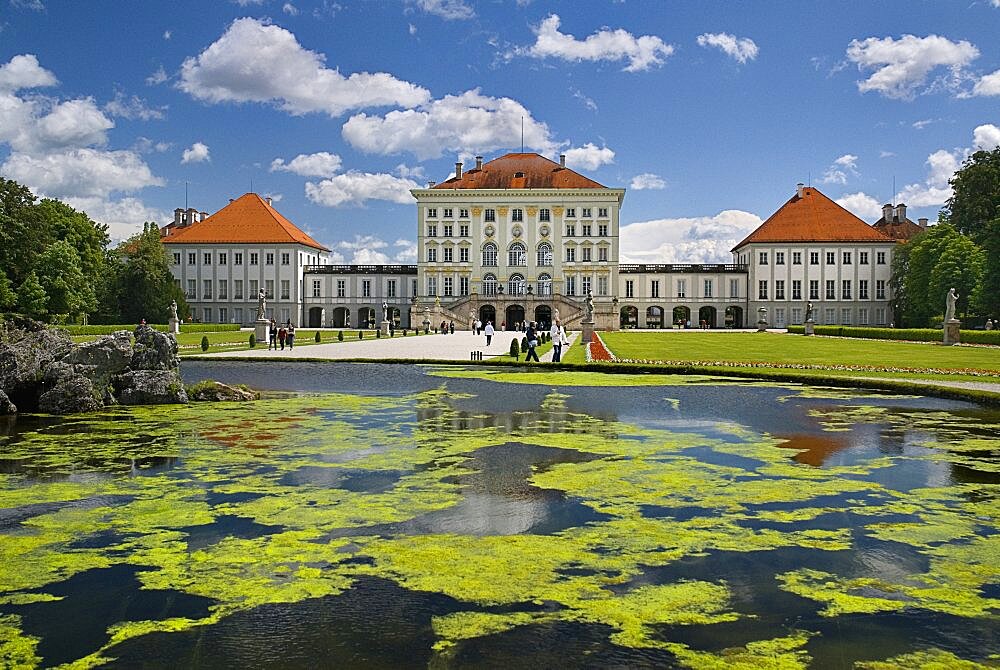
(707, 112)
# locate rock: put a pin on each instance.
(23, 360)
(70, 395)
(149, 387)
(214, 391)
(102, 359)
(154, 350)
(6, 406)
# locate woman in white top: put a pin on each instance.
(558, 335)
(488, 332)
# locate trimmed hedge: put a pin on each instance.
(907, 334)
(185, 328)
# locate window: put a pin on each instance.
(654, 288)
(880, 291)
(489, 284)
(177, 258)
(586, 212)
(602, 253)
(207, 315)
(831, 289)
(814, 289)
(796, 316)
(449, 230)
(845, 289)
(863, 260)
(223, 258)
(570, 230)
(432, 286)
(863, 316)
(269, 289)
(516, 285)
(238, 289)
(447, 212)
(813, 258)
(490, 215)
(796, 258)
(517, 255)
(879, 258)
(880, 316)
(845, 316)
(831, 258)
(238, 259)
(763, 258)
(254, 289)
(779, 257)
(463, 213)
(463, 255)
(341, 288)
(734, 288)
(602, 212)
(449, 255)
(762, 289)
(490, 255)
(432, 255)
(285, 289)
(390, 288)
(585, 285)
(587, 251)
(238, 315)
(629, 288)
(206, 259)
(192, 288)
(796, 289)
(316, 289)
(432, 230)
(285, 259)
(463, 285)
(571, 285)
(192, 259)
(570, 254)
(681, 288)
(587, 230)
(223, 313)
(206, 291)
(779, 317)
(517, 215)
(602, 230)
(366, 288)
(862, 289)
(449, 286)
(544, 287)
(847, 258)
(544, 254)
(269, 259)
(544, 215)
(253, 259)
(571, 213)
(223, 289)
(779, 289)
(463, 230)
(829, 316)
(432, 213)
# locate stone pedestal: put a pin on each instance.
(761, 326)
(174, 326)
(384, 327)
(810, 327)
(952, 334)
(260, 329)
(588, 332)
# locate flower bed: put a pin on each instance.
(971, 372)
(596, 351)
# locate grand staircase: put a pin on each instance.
(571, 311)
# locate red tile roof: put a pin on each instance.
(527, 170)
(901, 231)
(813, 217)
(246, 220)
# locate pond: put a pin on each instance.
(388, 516)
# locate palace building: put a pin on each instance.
(522, 237)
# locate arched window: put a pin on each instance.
(544, 284)
(490, 255)
(544, 254)
(517, 255)
(516, 285)
(489, 284)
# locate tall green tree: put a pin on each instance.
(900, 296)
(940, 259)
(8, 299)
(87, 237)
(145, 285)
(31, 298)
(59, 272)
(21, 236)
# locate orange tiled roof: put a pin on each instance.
(901, 231)
(527, 170)
(813, 217)
(246, 220)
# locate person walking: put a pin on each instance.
(557, 335)
(272, 332)
(282, 334)
(488, 332)
(532, 336)
(451, 327)
(290, 336)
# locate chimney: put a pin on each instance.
(458, 170)
(562, 160)
(178, 216)
(901, 212)
(268, 200)
(922, 222)
(202, 216)
(800, 189)
(230, 200)
(479, 162)
(887, 213)
(430, 184)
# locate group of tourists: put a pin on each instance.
(280, 334)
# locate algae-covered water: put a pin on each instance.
(378, 516)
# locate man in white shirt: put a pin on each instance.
(489, 332)
(558, 336)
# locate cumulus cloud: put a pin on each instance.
(741, 49)
(356, 188)
(406, 251)
(320, 164)
(144, 145)
(157, 77)
(198, 153)
(80, 172)
(585, 100)
(589, 157)
(257, 62)
(124, 217)
(647, 181)
(417, 171)
(372, 250)
(704, 239)
(455, 123)
(642, 53)
(902, 66)
(986, 137)
(934, 190)
(133, 107)
(861, 205)
(24, 72)
(988, 85)
(450, 10)
(34, 5)
(840, 170)
(290, 9)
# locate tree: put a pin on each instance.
(68, 290)
(939, 259)
(21, 237)
(31, 298)
(8, 299)
(145, 286)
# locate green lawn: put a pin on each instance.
(785, 348)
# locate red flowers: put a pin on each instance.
(597, 351)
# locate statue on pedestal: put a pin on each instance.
(590, 306)
(385, 311)
(261, 304)
(809, 311)
(173, 310)
(949, 310)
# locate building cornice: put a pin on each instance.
(490, 194)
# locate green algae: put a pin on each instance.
(783, 653)
(17, 650)
(573, 378)
(926, 659)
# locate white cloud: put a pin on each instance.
(132, 107)
(144, 145)
(986, 137)
(406, 251)
(589, 157)
(587, 101)
(356, 188)
(34, 5)
(372, 250)
(167, 34)
(935, 190)
(38, 125)
(80, 172)
(741, 49)
(901, 66)
(124, 216)
(842, 168)
(642, 53)
(247, 3)
(416, 172)
(647, 181)
(862, 205)
(257, 62)
(923, 123)
(290, 9)
(157, 77)
(413, 29)
(466, 122)
(24, 72)
(704, 239)
(449, 10)
(988, 84)
(321, 164)
(886, 154)
(198, 153)
(275, 197)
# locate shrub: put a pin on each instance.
(204, 342)
(404, 332)
(361, 335)
(907, 334)
(253, 340)
(524, 344)
(515, 350)
(318, 339)
(185, 328)
(378, 333)
(340, 336)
